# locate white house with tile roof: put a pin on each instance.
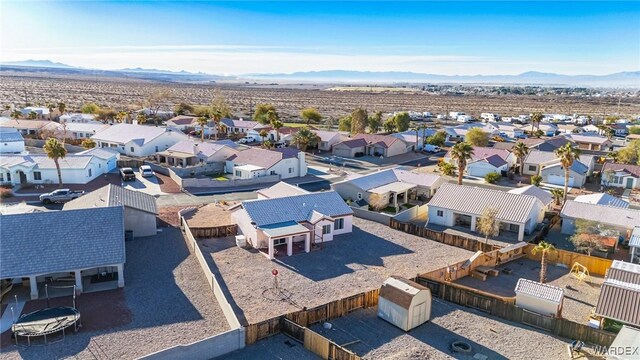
(461, 205)
(78, 168)
(11, 141)
(256, 162)
(69, 244)
(372, 145)
(138, 140)
(485, 160)
(302, 221)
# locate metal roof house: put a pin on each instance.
(393, 185)
(634, 245)
(11, 141)
(620, 294)
(139, 208)
(63, 244)
(540, 298)
(620, 218)
(460, 205)
(602, 199)
(404, 303)
(301, 220)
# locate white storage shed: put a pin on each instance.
(404, 303)
(540, 298)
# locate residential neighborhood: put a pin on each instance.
(313, 180)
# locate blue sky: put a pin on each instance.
(249, 37)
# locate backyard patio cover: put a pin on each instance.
(249, 167)
(396, 187)
(289, 228)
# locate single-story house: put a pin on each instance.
(621, 175)
(276, 224)
(373, 145)
(590, 141)
(79, 168)
(11, 141)
(404, 303)
(458, 133)
(620, 294)
(510, 130)
(460, 205)
(190, 152)
(328, 139)
(138, 140)
(543, 299)
(244, 126)
(392, 186)
(67, 244)
(537, 160)
(78, 118)
(485, 160)
(409, 136)
(544, 196)
(631, 137)
(256, 162)
(140, 209)
(183, 122)
(41, 112)
(281, 189)
(547, 128)
(591, 129)
(622, 219)
(78, 131)
(569, 129)
(549, 144)
(26, 127)
(554, 174)
(619, 129)
(602, 199)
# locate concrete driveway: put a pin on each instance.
(147, 185)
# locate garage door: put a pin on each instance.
(559, 180)
(479, 171)
(342, 152)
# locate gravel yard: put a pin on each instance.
(167, 299)
(579, 299)
(276, 347)
(351, 264)
(494, 338)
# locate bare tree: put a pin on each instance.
(488, 224)
(156, 100)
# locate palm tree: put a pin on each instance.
(216, 116)
(557, 195)
(55, 150)
(567, 155)
(305, 138)
(536, 118)
(614, 156)
(51, 106)
(141, 118)
(16, 114)
(520, 151)
(121, 116)
(545, 249)
(461, 152)
(263, 134)
(62, 107)
(202, 121)
(275, 122)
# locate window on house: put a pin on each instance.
(616, 180)
(440, 213)
(8, 176)
(89, 172)
(156, 149)
(37, 175)
(238, 173)
(132, 149)
(280, 241)
(533, 168)
(326, 229)
(272, 172)
(290, 170)
(338, 224)
(359, 196)
(1, 177)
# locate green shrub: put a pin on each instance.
(492, 178)
(536, 180)
(5, 193)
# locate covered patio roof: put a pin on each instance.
(175, 154)
(396, 187)
(249, 168)
(284, 229)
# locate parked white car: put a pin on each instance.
(432, 148)
(146, 171)
(246, 140)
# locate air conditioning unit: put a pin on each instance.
(241, 241)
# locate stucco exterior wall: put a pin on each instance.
(537, 305)
(140, 222)
(11, 147)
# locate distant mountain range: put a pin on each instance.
(621, 79)
(630, 79)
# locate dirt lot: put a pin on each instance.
(348, 265)
(579, 299)
(276, 347)
(165, 302)
(497, 339)
(123, 94)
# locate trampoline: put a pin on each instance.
(45, 322)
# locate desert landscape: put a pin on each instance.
(126, 93)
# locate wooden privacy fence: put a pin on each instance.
(505, 308)
(214, 232)
(307, 317)
(132, 163)
(443, 237)
(316, 343)
(595, 265)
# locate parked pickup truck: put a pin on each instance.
(60, 195)
(127, 174)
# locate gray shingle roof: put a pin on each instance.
(473, 200)
(56, 241)
(114, 195)
(603, 214)
(71, 161)
(295, 208)
(539, 290)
